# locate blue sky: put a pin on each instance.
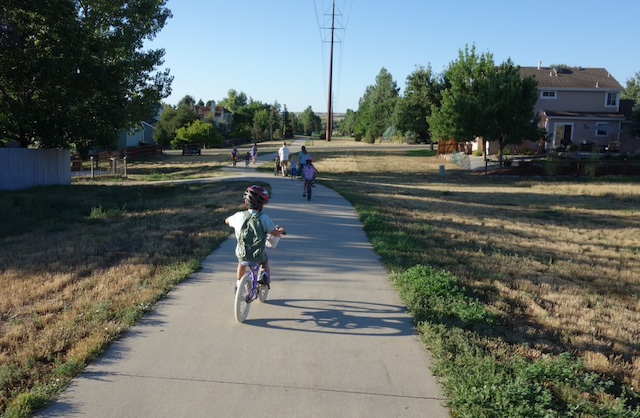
(279, 50)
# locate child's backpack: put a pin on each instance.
(308, 172)
(252, 239)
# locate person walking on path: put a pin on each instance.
(283, 153)
(254, 152)
(302, 157)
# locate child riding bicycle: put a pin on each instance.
(255, 197)
(234, 156)
(309, 173)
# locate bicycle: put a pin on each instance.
(307, 185)
(249, 288)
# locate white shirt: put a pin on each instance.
(284, 153)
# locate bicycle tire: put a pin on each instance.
(308, 190)
(241, 306)
(263, 292)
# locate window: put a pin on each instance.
(548, 95)
(612, 99)
(600, 129)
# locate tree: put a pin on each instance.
(274, 118)
(509, 102)
(198, 132)
(376, 107)
(260, 124)
(458, 116)
(482, 100)
(287, 128)
(423, 91)
(309, 121)
(632, 92)
(73, 74)
(348, 124)
(234, 101)
(172, 119)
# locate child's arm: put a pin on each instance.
(278, 231)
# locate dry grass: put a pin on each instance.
(80, 264)
(558, 259)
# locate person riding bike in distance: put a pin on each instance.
(255, 197)
(309, 173)
(234, 156)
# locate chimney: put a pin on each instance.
(539, 65)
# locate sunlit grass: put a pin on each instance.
(555, 261)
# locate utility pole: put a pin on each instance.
(329, 109)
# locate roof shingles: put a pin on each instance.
(572, 78)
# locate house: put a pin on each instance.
(140, 134)
(580, 106)
(134, 137)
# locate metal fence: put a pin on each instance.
(22, 168)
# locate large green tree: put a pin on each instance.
(487, 101)
(197, 131)
(423, 91)
(172, 119)
(348, 124)
(74, 73)
(234, 101)
(632, 91)
(376, 107)
(508, 101)
(309, 121)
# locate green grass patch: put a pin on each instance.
(421, 153)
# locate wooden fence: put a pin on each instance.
(22, 168)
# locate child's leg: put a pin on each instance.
(240, 271)
(265, 267)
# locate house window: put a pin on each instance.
(548, 95)
(612, 99)
(601, 131)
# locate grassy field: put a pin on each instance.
(530, 286)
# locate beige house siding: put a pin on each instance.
(576, 101)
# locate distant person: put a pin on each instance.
(302, 157)
(247, 159)
(234, 156)
(309, 174)
(283, 153)
(254, 152)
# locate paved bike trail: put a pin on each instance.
(332, 340)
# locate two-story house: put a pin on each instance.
(578, 106)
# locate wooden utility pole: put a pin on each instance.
(329, 109)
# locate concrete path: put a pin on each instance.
(332, 340)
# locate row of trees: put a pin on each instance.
(251, 120)
(473, 97)
(74, 74)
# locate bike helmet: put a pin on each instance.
(256, 197)
(309, 159)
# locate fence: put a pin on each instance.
(22, 168)
(114, 162)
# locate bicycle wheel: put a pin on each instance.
(242, 303)
(308, 190)
(263, 291)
